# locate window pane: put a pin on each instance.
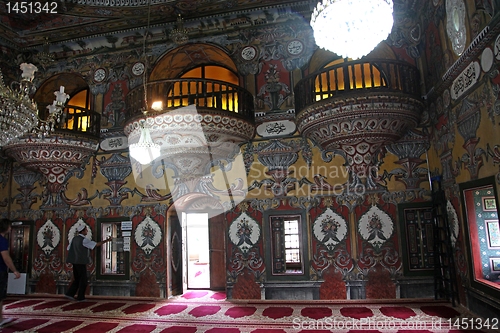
(287, 256)
(291, 227)
(292, 241)
(292, 255)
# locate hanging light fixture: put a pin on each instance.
(19, 113)
(179, 35)
(55, 112)
(44, 57)
(145, 150)
(351, 28)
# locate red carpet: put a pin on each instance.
(209, 312)
(399, 312)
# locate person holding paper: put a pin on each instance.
(79, 257)
(6, 263)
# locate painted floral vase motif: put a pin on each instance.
(244, 232)
(330, 229)
(148, 235)
(376, 227)
(48, 237)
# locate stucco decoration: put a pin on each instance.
(244, 232)
(73, 231)
(148, 235)
(57, 158)
(276, 128)
(330, 229)
(453, 222)
(48, 237)
(376, 227)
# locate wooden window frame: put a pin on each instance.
(278, 268)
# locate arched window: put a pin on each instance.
(209, 86)
(76, 112)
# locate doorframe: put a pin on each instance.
(185, 256)
(173, 210)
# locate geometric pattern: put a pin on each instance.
(208, 311)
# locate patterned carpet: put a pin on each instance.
(206, 311)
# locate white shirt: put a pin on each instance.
(88, 243)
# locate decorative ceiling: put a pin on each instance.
(59, 21)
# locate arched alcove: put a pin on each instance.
(176, 62)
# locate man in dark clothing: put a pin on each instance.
(5, 264)
(79, 257)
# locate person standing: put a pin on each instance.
(6, 263)
(79, 257)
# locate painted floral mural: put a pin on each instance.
(330, 229)
(244, 232)
(148, 235)
(48, 237)
(73, 230)
(376, 227)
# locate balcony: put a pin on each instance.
(200, 128)
(58, 155)
(195, 113)
(80, 122)
(358, 107)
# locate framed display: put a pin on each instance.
(493, 230)
(495, 264)
(114, 261)
(489, 204)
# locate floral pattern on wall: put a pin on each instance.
(376, 227)
(244, 232)
(148, 235)
(330, 229)
(48, 237)
(453, 222)
(73, 231)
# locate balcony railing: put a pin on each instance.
(80, 121)
(206, 94)
(358, 77)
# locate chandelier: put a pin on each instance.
(19, 113)
(351, 28)
(44, 57)
(145, 150)
(179, 35)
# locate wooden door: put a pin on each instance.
(176, 264)
(21, 238)
(217, 243)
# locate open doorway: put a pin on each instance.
(197, 258)
(196, 250)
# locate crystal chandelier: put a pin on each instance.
(351, 28)
(19, 113)
(179, 35)
(144, 151)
